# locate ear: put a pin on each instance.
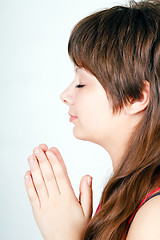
(137, 106)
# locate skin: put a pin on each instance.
(56, 209)
(96, 122)
(145, 225)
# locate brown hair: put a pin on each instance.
(120, 46)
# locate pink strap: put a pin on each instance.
(99, 206)
(148, 196)
(143, 202)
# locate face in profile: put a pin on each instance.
(90, 110)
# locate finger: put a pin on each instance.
(43, 146)
(31, 192)
(86, 198)
(56, 152)
(60, 173)
(47, 172)
(58, 155)
(38, 179)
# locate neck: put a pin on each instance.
(116, 151)
(117, 145)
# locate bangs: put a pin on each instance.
(83, 42)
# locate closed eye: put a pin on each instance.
(79, 86)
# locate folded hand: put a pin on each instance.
(57, 211)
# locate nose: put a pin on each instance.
(67, 96)
(63, 97)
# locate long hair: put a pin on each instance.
(120, 46)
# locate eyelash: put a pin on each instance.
(79, 86)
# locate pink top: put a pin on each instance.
(150, 195)
(99, 206)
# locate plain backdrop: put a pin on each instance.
(34, 70)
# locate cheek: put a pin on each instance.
(94, 118)
(93, 112)
(85, 109)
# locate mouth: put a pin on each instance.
(72, 118)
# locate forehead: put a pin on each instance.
(83, 71)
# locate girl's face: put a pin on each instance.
(93, 118)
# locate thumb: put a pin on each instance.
(86, 195)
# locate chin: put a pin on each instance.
(77, 134)
(82, 136)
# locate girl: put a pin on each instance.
(114, 101)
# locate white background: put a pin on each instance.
(34, 70)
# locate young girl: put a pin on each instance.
(114, 101)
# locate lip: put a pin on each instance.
(72, 118)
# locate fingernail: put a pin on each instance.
(27, 177)
(31, 160)
(89, 181)
(36, 150)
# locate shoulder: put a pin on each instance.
(146, 223)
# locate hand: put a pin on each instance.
(57, 211)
